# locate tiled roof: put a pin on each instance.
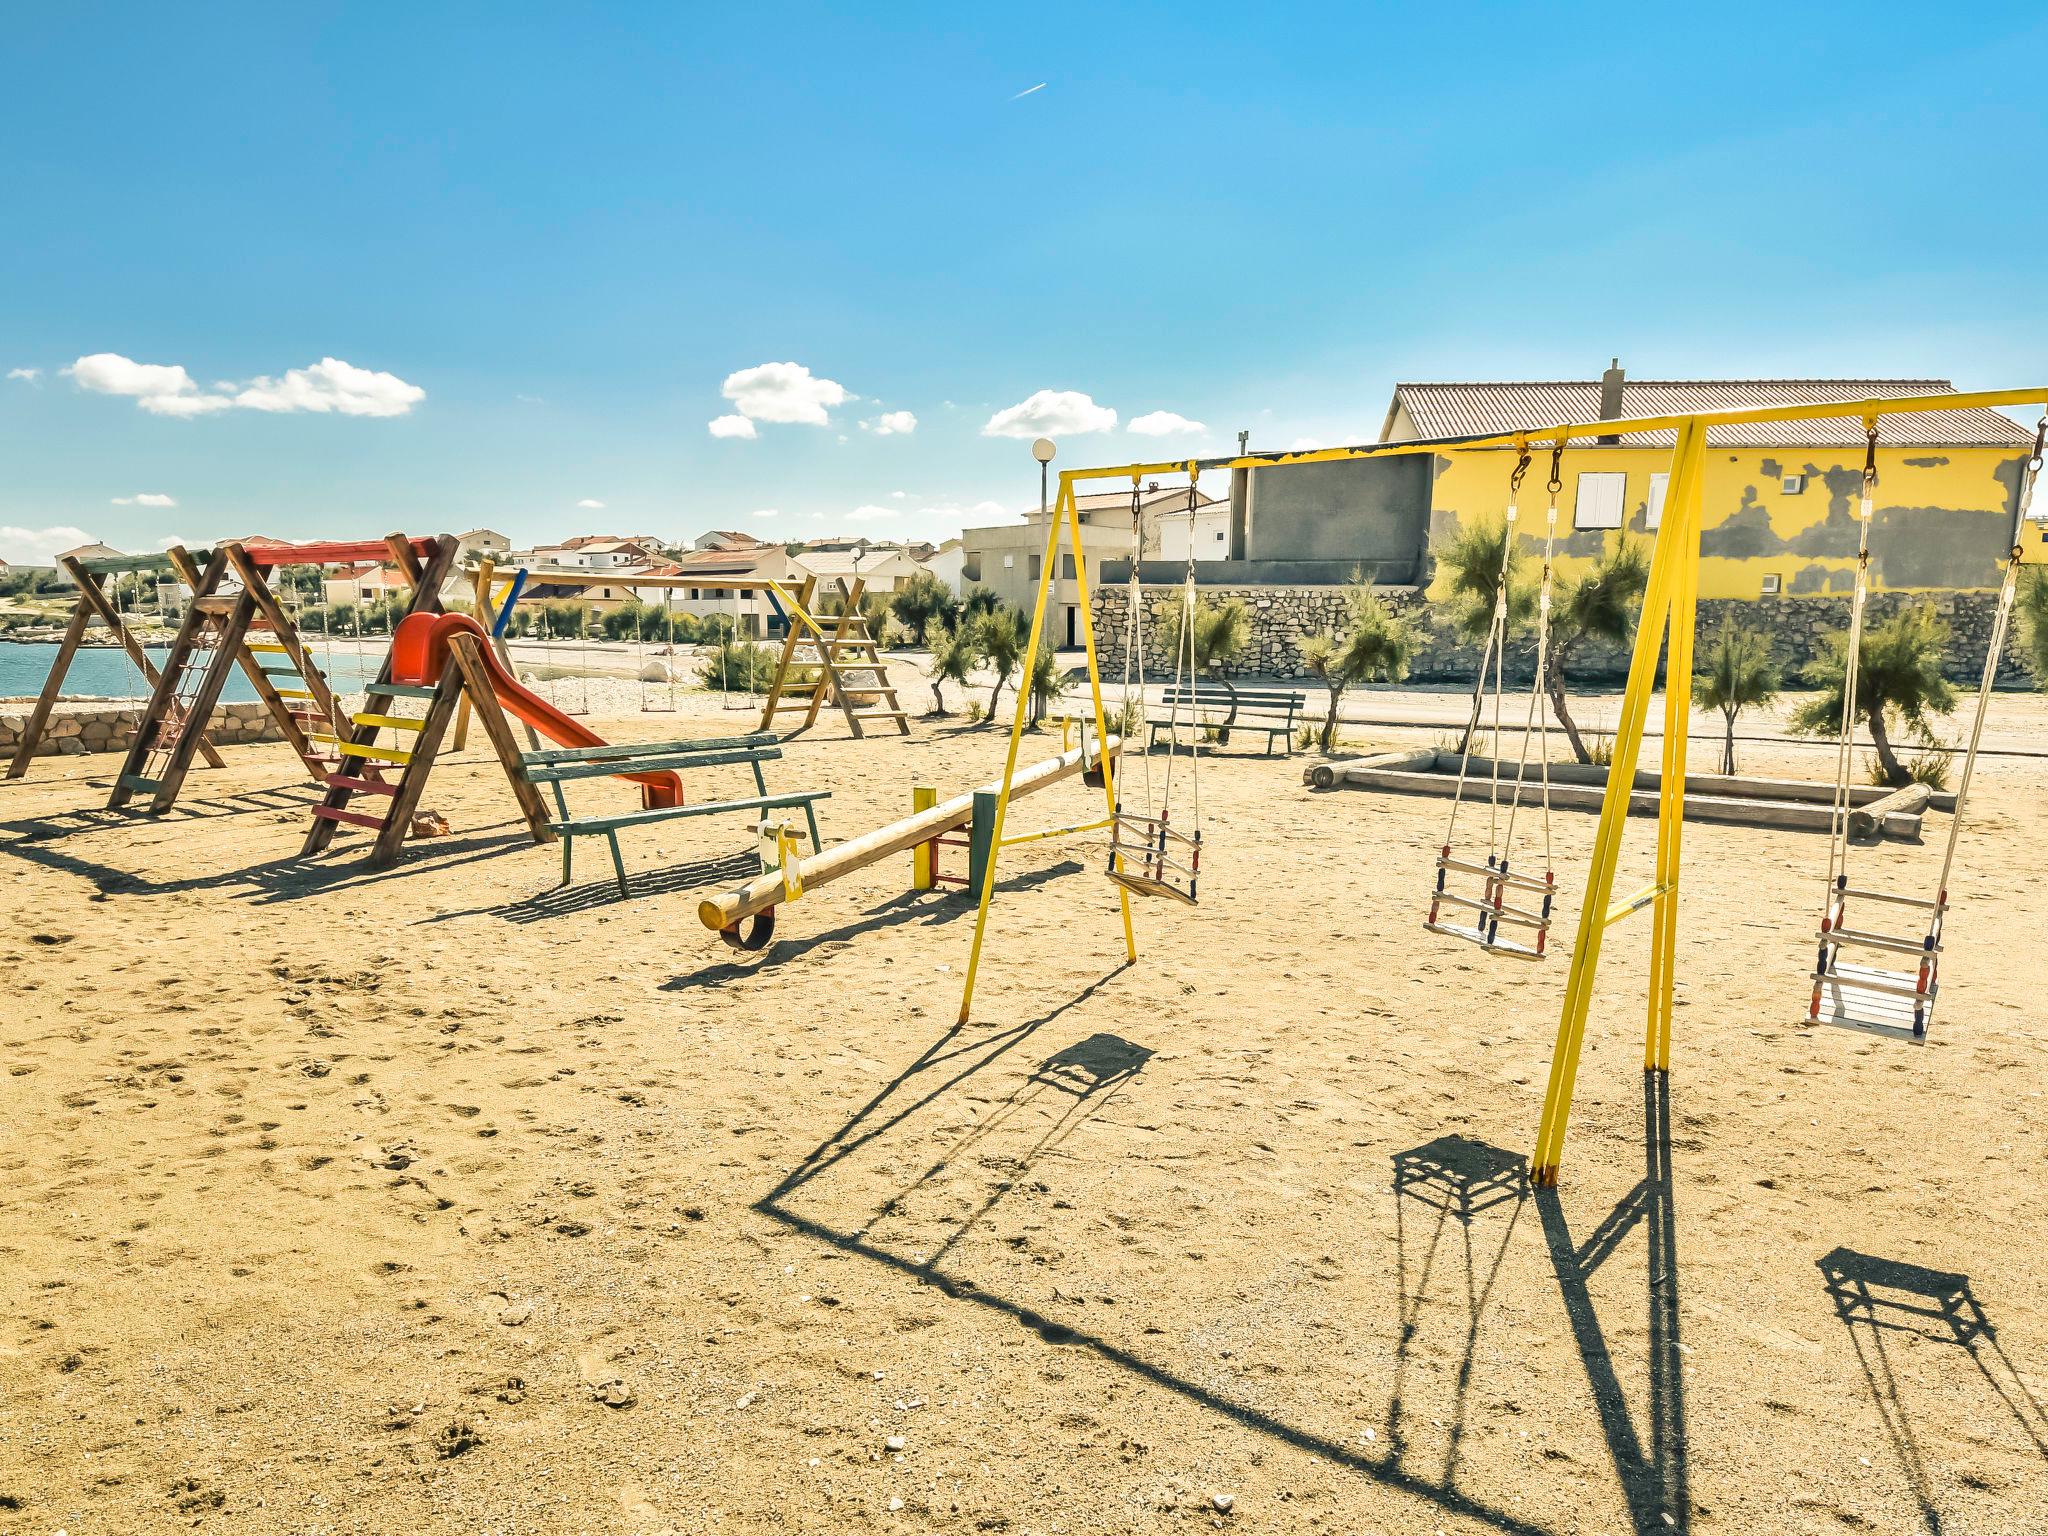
(1451, 410)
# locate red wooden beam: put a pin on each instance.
(368, 551)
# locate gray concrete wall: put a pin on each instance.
(1373, 512)
(1283, 616)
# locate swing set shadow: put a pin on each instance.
(1462, 1180)
(1874, 1297)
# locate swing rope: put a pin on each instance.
(1497, 875)
(1134, 641)
(1838, 821)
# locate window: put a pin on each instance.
(1009, 562)
(1219, 535)
(1066, 567)
(1037, 566)
(1600, 497)
(1792, 485)
(1655, 515)
(1771, 584)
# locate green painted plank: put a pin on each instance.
(585, 825)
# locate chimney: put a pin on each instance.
(1610, 398)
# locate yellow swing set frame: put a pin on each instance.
(1670, 606)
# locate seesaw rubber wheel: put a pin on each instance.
(751, 933)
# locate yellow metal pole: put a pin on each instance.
(1683, 525)
(1095, 692)
(922, 798)
(1614, 805)
(988, 878)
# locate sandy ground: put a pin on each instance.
(435, 1199)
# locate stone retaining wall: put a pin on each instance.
(1283, 616)
(108, 725)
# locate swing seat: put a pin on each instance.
(1146, 885)
(1877, 1002)
(1492, 909)
(1896, 1004)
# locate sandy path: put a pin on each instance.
(430, 1200)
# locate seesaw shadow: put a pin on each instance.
(1065, 1089)
(1875, 1296)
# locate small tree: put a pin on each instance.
(1002, 633)
(1739, 675)
(1221, 632)
(1602, 606)
(2032, 603)
(1899, 686)
(1373, 646)
(979, 600)
(922, 599)
(952, 657)
(1472, 562)
(1047, 680)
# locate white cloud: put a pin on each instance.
(589, 505)
(731, 426)
(900, 495)
(329, 385)
(891, 424)
(39, 546)
(146, 499)
(26, 375)
(785, 392)
(765, 512)
(1051, 412)
(869, 514)
(332, 385)
(1164, 424)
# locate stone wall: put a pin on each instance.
(1283, 616)
(102, 725)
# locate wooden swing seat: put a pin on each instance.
(1146, 885)
(1877, 1002)
(1493, 946)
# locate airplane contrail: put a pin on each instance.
(1023, 93)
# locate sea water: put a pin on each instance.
(105, 672)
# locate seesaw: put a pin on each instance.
(745, 916)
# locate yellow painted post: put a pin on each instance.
(1095, 693)
(1681, 524)
(923, 877)
(1614, 805)
(988, 880)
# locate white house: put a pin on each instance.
(946, 562)
(883, 569)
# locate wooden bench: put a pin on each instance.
(1274, 711)
(559, 765)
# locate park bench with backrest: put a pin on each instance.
(557, 766)
(1272, 712)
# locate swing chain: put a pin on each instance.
(1521, 470)
(1556, 481)
(1870, 457)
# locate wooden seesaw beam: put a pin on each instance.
(767, 890)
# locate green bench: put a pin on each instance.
(558, 766)
(1274, 712)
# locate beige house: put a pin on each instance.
(882, 569)
(479, 543)
(363, 584)
(1008, 559)
(758, 618)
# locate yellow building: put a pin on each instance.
(1780, 515)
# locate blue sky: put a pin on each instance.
(539, 243)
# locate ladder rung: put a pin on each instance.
(280, 671)
(401, 690)
(360, 786)
(139, 784)
(1505, 913)
(292, 693)
(267, 645)
(880, 714)
(353, 818)
(382, 754)
(390, 722)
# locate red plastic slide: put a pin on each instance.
(419, 655)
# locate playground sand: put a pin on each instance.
(433, 1200)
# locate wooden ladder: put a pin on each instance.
(187, 690)
(362, 759)
(849, 663)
